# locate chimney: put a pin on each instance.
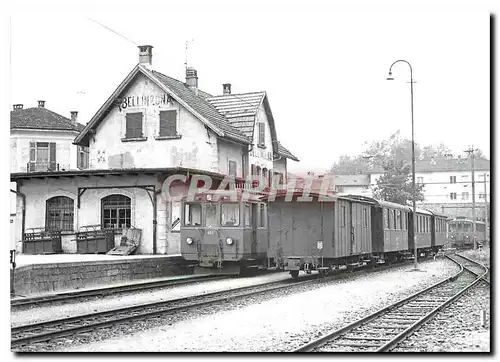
(226, 88)
(41, 104)
(18, 106)
(192, 79)
(74, 117)
(146, 55)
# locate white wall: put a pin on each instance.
(437, 186)
(229, 151)
(262, 157)
(66, 152)
(196, 148)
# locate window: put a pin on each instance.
(133, 125)
(394, 219)
(59, 213)
(262, 138)
(453, 179)
(116, 210)
(453, 195)
(400, 220)
(420, 180)
(192, 214)
(387, 219)
(230, 215)
(262, 219)
(42, 156)
(168, 123)
(83, 157)
(232, 168)
(211, 214)
(465, 196)
(365, 218)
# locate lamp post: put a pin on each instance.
(390, 77)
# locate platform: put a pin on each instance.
(36, 274)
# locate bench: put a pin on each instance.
(91, 239)
(41, 241)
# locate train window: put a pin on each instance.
(211, 214)
(467, 227)
(365, 218)
(230, 214)
(398, 214)
(342, 222)
(262, 215)
(394, 219)
(386, 219)
(192, 214)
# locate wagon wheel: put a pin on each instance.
(294, 274)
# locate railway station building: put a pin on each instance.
(151, 127)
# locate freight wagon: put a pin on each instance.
(320, 233)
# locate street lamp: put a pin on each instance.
(390, 77)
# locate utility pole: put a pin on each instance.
(485, 211)
(470, 151)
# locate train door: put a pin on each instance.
(253, 223)
(350, 223)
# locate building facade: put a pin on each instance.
(151, 128)
(448, 185)
(42, 140)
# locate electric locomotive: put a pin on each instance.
(224, 230)
(461, 234)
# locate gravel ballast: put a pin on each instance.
(281, 323)
(457, 328)
(48, 312)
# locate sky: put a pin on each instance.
(323, 66)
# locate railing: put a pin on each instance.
(42, 166)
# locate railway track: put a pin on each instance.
(49, 331)
(384, 329)
(102, 292)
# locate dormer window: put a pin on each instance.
(262, 135)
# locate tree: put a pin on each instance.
(395, 185)
(348, 165)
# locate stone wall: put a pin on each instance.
(46, 278)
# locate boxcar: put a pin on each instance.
(319, 234)
(224, 230)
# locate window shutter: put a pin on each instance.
(261, 133)
(31, 165)
(133, 125)
(168, 123)
(79, 157)
(52, 156)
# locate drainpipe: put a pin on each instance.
(154, 219)
(23, 224)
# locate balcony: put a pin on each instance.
(42, 166)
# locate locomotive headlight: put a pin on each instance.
(189, 240)
(229, 241)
